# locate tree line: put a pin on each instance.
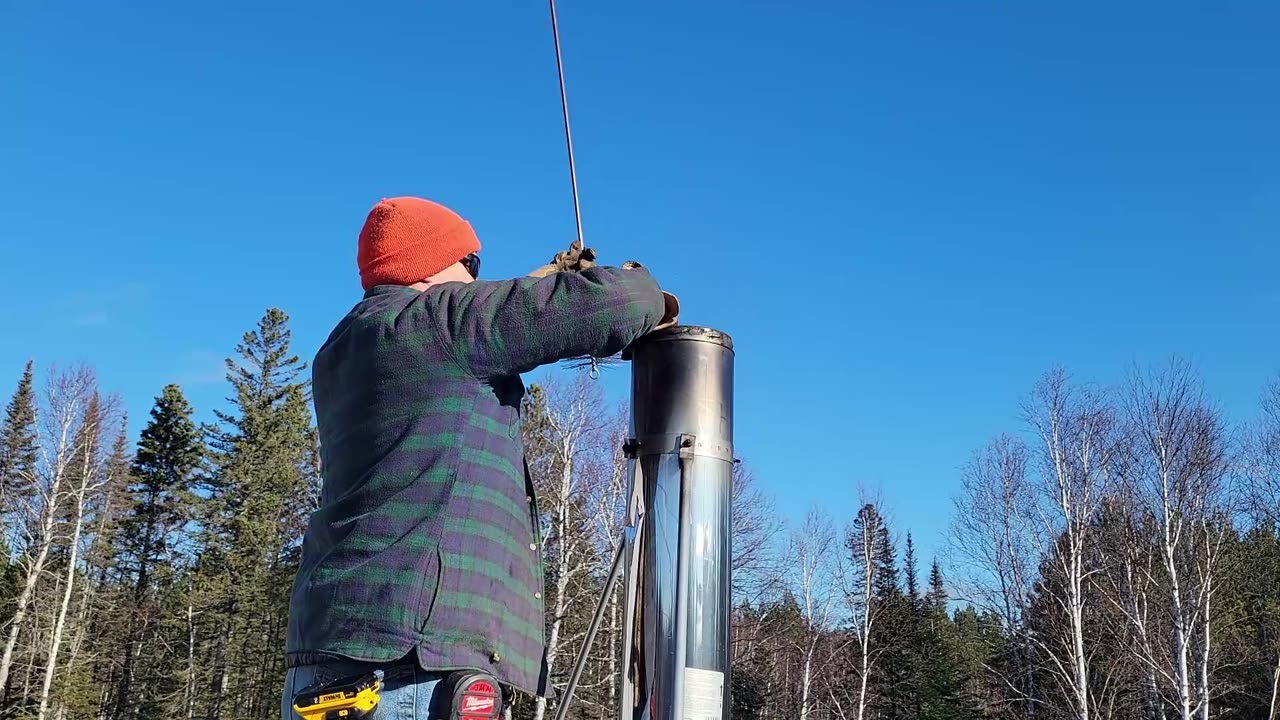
(1116, 556)
(151, 579)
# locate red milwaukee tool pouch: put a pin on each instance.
(473, 696)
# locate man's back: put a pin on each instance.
(427, 536)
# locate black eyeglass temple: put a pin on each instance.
(472, 263)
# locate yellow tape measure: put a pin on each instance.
(348, 698)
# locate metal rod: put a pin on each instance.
(568, 137)
(636, 509)
(592, 629)
(684, 529)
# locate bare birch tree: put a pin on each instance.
(86, 476)
(993, 548)
(1262, 472)
(1132, 587)
(66, 395)
(1262, 465)
(87, 641)
(1179, 468)
(607, 506)
(857, 575)
(1074, 429)
(811, 551)
(757, 570)
(566, 422)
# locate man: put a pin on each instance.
(425, 554)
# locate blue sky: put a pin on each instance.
(903, 212)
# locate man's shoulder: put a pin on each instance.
(386, 304)
(384, 298)
(379, 318)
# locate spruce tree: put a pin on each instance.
(983, 658)
(936, 663)
(892, 635)
(259, 483)
(159, 497)
(18, 453)
(909, 570)
(18, 449)
(937, 597)
(106, 616)
(888, 582)
(10, 582)
(147, 539)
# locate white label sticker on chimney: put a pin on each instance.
(703, 695)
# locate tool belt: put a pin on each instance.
(470, 694)
(345, 698)
(298, 659)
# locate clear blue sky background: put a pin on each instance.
(902, 211)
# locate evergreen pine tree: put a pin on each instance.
(983, 654)
(159, 506)
(260, 481)
(105, 616)
(936, 663)
(915, 636)
(18, 450)
(892, 635)
(17, 479)
(937, 597)
(888, 581)
(909, 570)
(10, 584)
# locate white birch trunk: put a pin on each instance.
(564, 556)
(59, 625)
(806, 678)
(1275, 690)
(866, 670)
(20, 614)
(65, 417)
(811, 547)
(1180, 640)
(1182, 463)
(614, 649)
(1206, 611)
(1073, 426)
(1154, 708)
(88, 444)
(867, 544)
(189, 690)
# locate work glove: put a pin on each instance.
(575, 259)
(671, 309)
(578, 258)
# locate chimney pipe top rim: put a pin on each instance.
(691, 332)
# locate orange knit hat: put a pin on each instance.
(407, 239)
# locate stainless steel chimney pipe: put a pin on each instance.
(678, 560)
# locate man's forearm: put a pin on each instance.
(514, 326)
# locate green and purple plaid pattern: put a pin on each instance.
(427, 536)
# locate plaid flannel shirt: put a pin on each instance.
(427, 538)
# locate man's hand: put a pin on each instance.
(578, 258)
(575, 259)
(671, 315)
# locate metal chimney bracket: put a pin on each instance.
(681, 444)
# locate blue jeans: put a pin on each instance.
(408, 692)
